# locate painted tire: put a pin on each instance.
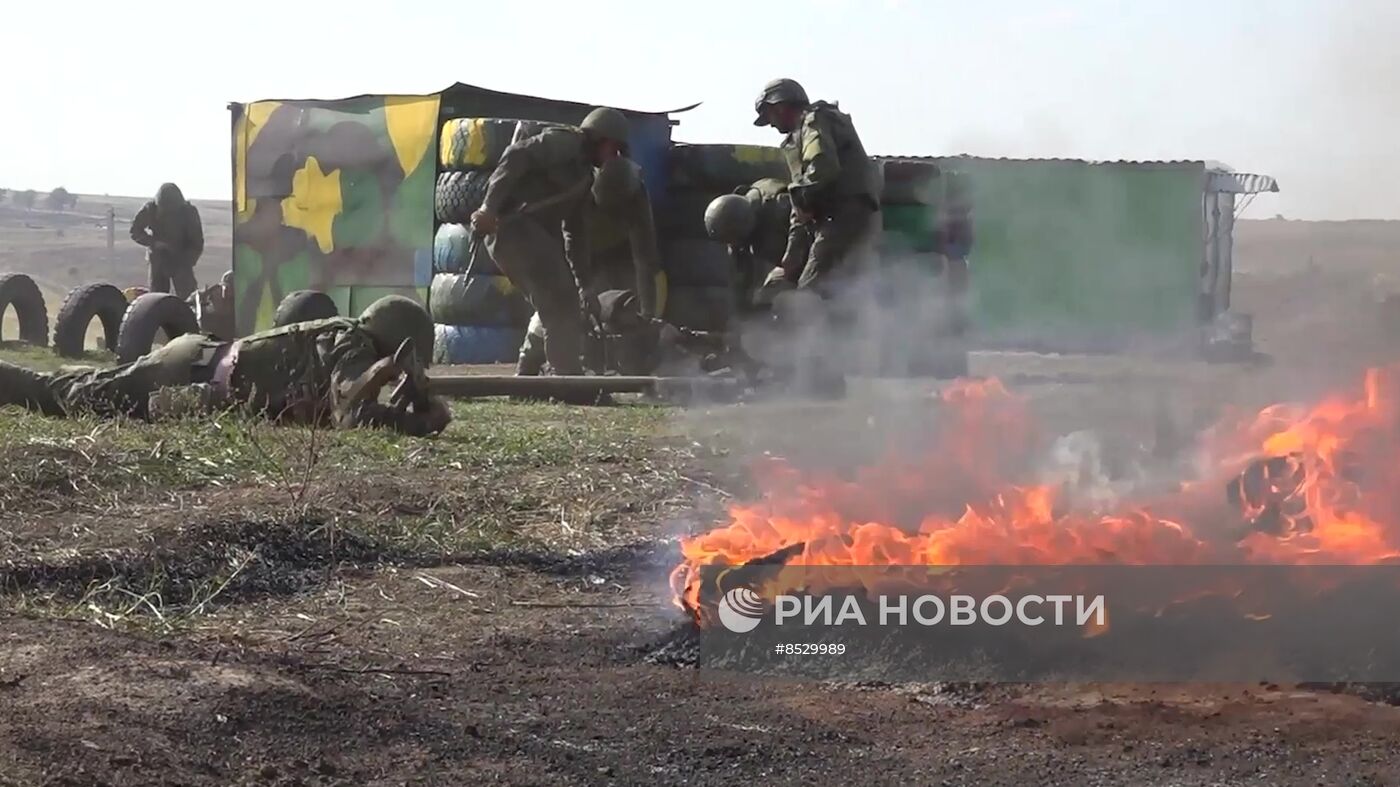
(452, 250)
(458, 195)
(723, 168)
(100, 301)
(700, 263)
(20, 292)
(700, 308)
(148, 315)
(474, 143)
(304, 306)
(485, 300)
(475, 344)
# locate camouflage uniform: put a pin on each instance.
(553, 166)
(835, 183)
(170, 229)
(301, 372)
(625, 258)
(774, 233)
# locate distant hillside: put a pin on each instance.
(64, 249)
(1277, 245)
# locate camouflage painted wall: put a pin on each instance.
(335, 196)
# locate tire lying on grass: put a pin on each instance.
(101, 301)
(304, 306)
(148, 316)
(20, 292)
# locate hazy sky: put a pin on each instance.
(116, 97)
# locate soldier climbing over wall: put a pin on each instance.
(170, 229)
(535, 221)
(323, 370)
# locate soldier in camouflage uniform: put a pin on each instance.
(301, 372)
(170, 229)
(756, 223)
(834, 188)
(534, 218)
(625, 258)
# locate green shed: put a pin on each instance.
(1073, 255)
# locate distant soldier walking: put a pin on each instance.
(536, 224)
(170, 229)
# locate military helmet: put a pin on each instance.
(615, 183)
(607, 123)
(392, 319)
(779, 91)
(729, 218)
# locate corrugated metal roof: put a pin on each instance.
(1240, 183)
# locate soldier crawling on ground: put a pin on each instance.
(322, 370)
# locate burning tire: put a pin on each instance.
(304, 306)
(101, 301)
(458, 195)
(20, 292)
(148, 316)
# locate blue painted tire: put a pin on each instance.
(475, 344)
(470, 299)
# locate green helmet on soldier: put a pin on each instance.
(616, 182)
(779, 91)
(606, 123)
(392, 319)
(729, 218)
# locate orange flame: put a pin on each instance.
(1337, 467)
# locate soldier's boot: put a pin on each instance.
(531, 361)
(28, 389)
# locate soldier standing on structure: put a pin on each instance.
(170, 229)
(625, 257)
(309, 372)
(535, 221)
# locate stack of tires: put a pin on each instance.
(701, 279)
(926, 222)
(480, 315)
